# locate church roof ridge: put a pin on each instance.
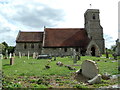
(65, 28)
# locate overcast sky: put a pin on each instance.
(33, 15)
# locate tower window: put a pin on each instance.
(32, 45)
(93, 16)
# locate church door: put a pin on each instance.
(93, 51)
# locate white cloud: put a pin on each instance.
(18, 15)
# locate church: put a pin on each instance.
(63, 41)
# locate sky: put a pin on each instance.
(33, 15)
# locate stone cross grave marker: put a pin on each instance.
(89, 69)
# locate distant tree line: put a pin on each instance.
(4, 46)
(112, 49)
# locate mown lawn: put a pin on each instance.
(23, 69)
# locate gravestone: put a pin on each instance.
(10, 56)
(89, 69)
(14, 55)
(95, 80)
(28, 55)
(19, 54)
(34, 55)
(11, 61)
(1, 56)
(6, 54)
(74, 56)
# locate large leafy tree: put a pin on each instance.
(113, 47)
(2, 47)
(9, 48)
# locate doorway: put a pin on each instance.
(93, 51)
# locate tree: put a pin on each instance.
(113, 47)
(5, 44)
(11, 49)
(2, 47)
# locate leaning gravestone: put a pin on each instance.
(89, 69)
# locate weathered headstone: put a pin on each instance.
(14, 55)
(34, 55)
(1, 56)
(6, 53)
(11, 61)
(95, 80)
(74, 56)
(19, 54)
(28, 55)
(89, 69)
(10, 56)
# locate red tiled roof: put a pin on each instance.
(30, 37)
(65, 37)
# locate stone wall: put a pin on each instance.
(20, 47)
(58, 51)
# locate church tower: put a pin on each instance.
(94, 29)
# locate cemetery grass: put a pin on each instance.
(33, 74)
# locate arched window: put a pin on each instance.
(32, 45)
(65, 49)
(93, 16)
(39, 46)
(76, 49)
(25, 46)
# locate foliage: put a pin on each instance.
(11, 49)
(2, 47)
(5, 44)
(113, 47)
(6, 47)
